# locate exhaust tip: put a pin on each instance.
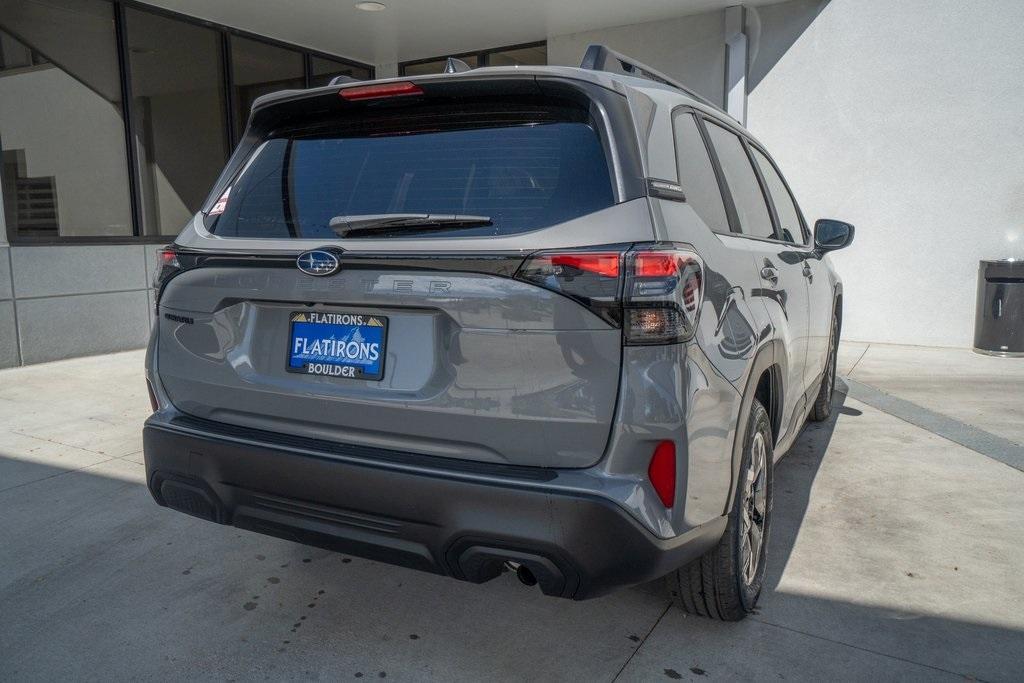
(525, 576)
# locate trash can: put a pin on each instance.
(999, 318)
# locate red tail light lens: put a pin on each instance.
(605, 264)
(662, 472)
(167, 264)
(372, 92)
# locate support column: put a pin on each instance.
(736, 62)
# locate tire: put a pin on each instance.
(822, 408)
(723, 584)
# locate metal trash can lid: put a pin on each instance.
(1007, 267)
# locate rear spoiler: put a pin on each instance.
(272, 111)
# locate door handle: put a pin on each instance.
(808, 273)
(770, 274)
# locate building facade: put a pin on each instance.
(115, 118)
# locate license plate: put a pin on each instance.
(348, 345)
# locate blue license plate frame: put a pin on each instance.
(341, 345)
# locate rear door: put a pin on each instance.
(446, 352)
(783, 288)
(794, 232)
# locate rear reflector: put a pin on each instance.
(371, 92)
(662, 472)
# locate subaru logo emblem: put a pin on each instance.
(318, 262)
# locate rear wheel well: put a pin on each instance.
(769, 393)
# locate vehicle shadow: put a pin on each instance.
(794, 478)
(92, 569)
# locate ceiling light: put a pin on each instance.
(371, 6)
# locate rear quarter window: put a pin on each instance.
(697, 175)
(751, 207)
(525, 170)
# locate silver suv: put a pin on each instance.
(560, 321)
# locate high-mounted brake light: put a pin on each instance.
(372, 92)
(662, 472)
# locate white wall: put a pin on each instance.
(69, 132)
(907, 119)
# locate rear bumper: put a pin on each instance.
(464, 522)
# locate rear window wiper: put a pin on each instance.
(368, 224)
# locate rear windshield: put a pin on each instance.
(521, 169)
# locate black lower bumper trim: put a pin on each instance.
(576, 546)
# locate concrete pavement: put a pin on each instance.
(895, 553)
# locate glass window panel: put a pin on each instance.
(789, 215)
(261, 68)
(434, 67)
(697, 175)
(535, 55)
(64, 166)
(523, 177)
(739, 175)
(325, 69)
(178, 95)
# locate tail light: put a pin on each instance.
(662, 296)
(653, 291)
(167, 264)
(590, 277)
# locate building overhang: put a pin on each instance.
(415, 29)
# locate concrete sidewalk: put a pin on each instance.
(895, 553)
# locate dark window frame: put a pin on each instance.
(703, 118)
(129, 118)
(736, 227)
(481, 55)
(805, 232)
(727, 207)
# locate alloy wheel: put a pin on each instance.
(753, 511)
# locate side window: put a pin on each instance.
(785, 207)
(739, 175)
(697, 175)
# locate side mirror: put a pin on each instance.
(830, 235)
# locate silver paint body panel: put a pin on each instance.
(496, 370)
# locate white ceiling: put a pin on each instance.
(412, 29)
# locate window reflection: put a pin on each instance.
(62, 133)
(64, 165)
(177, 96)
(326, 69)
(260, 68)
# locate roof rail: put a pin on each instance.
(600, 57)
